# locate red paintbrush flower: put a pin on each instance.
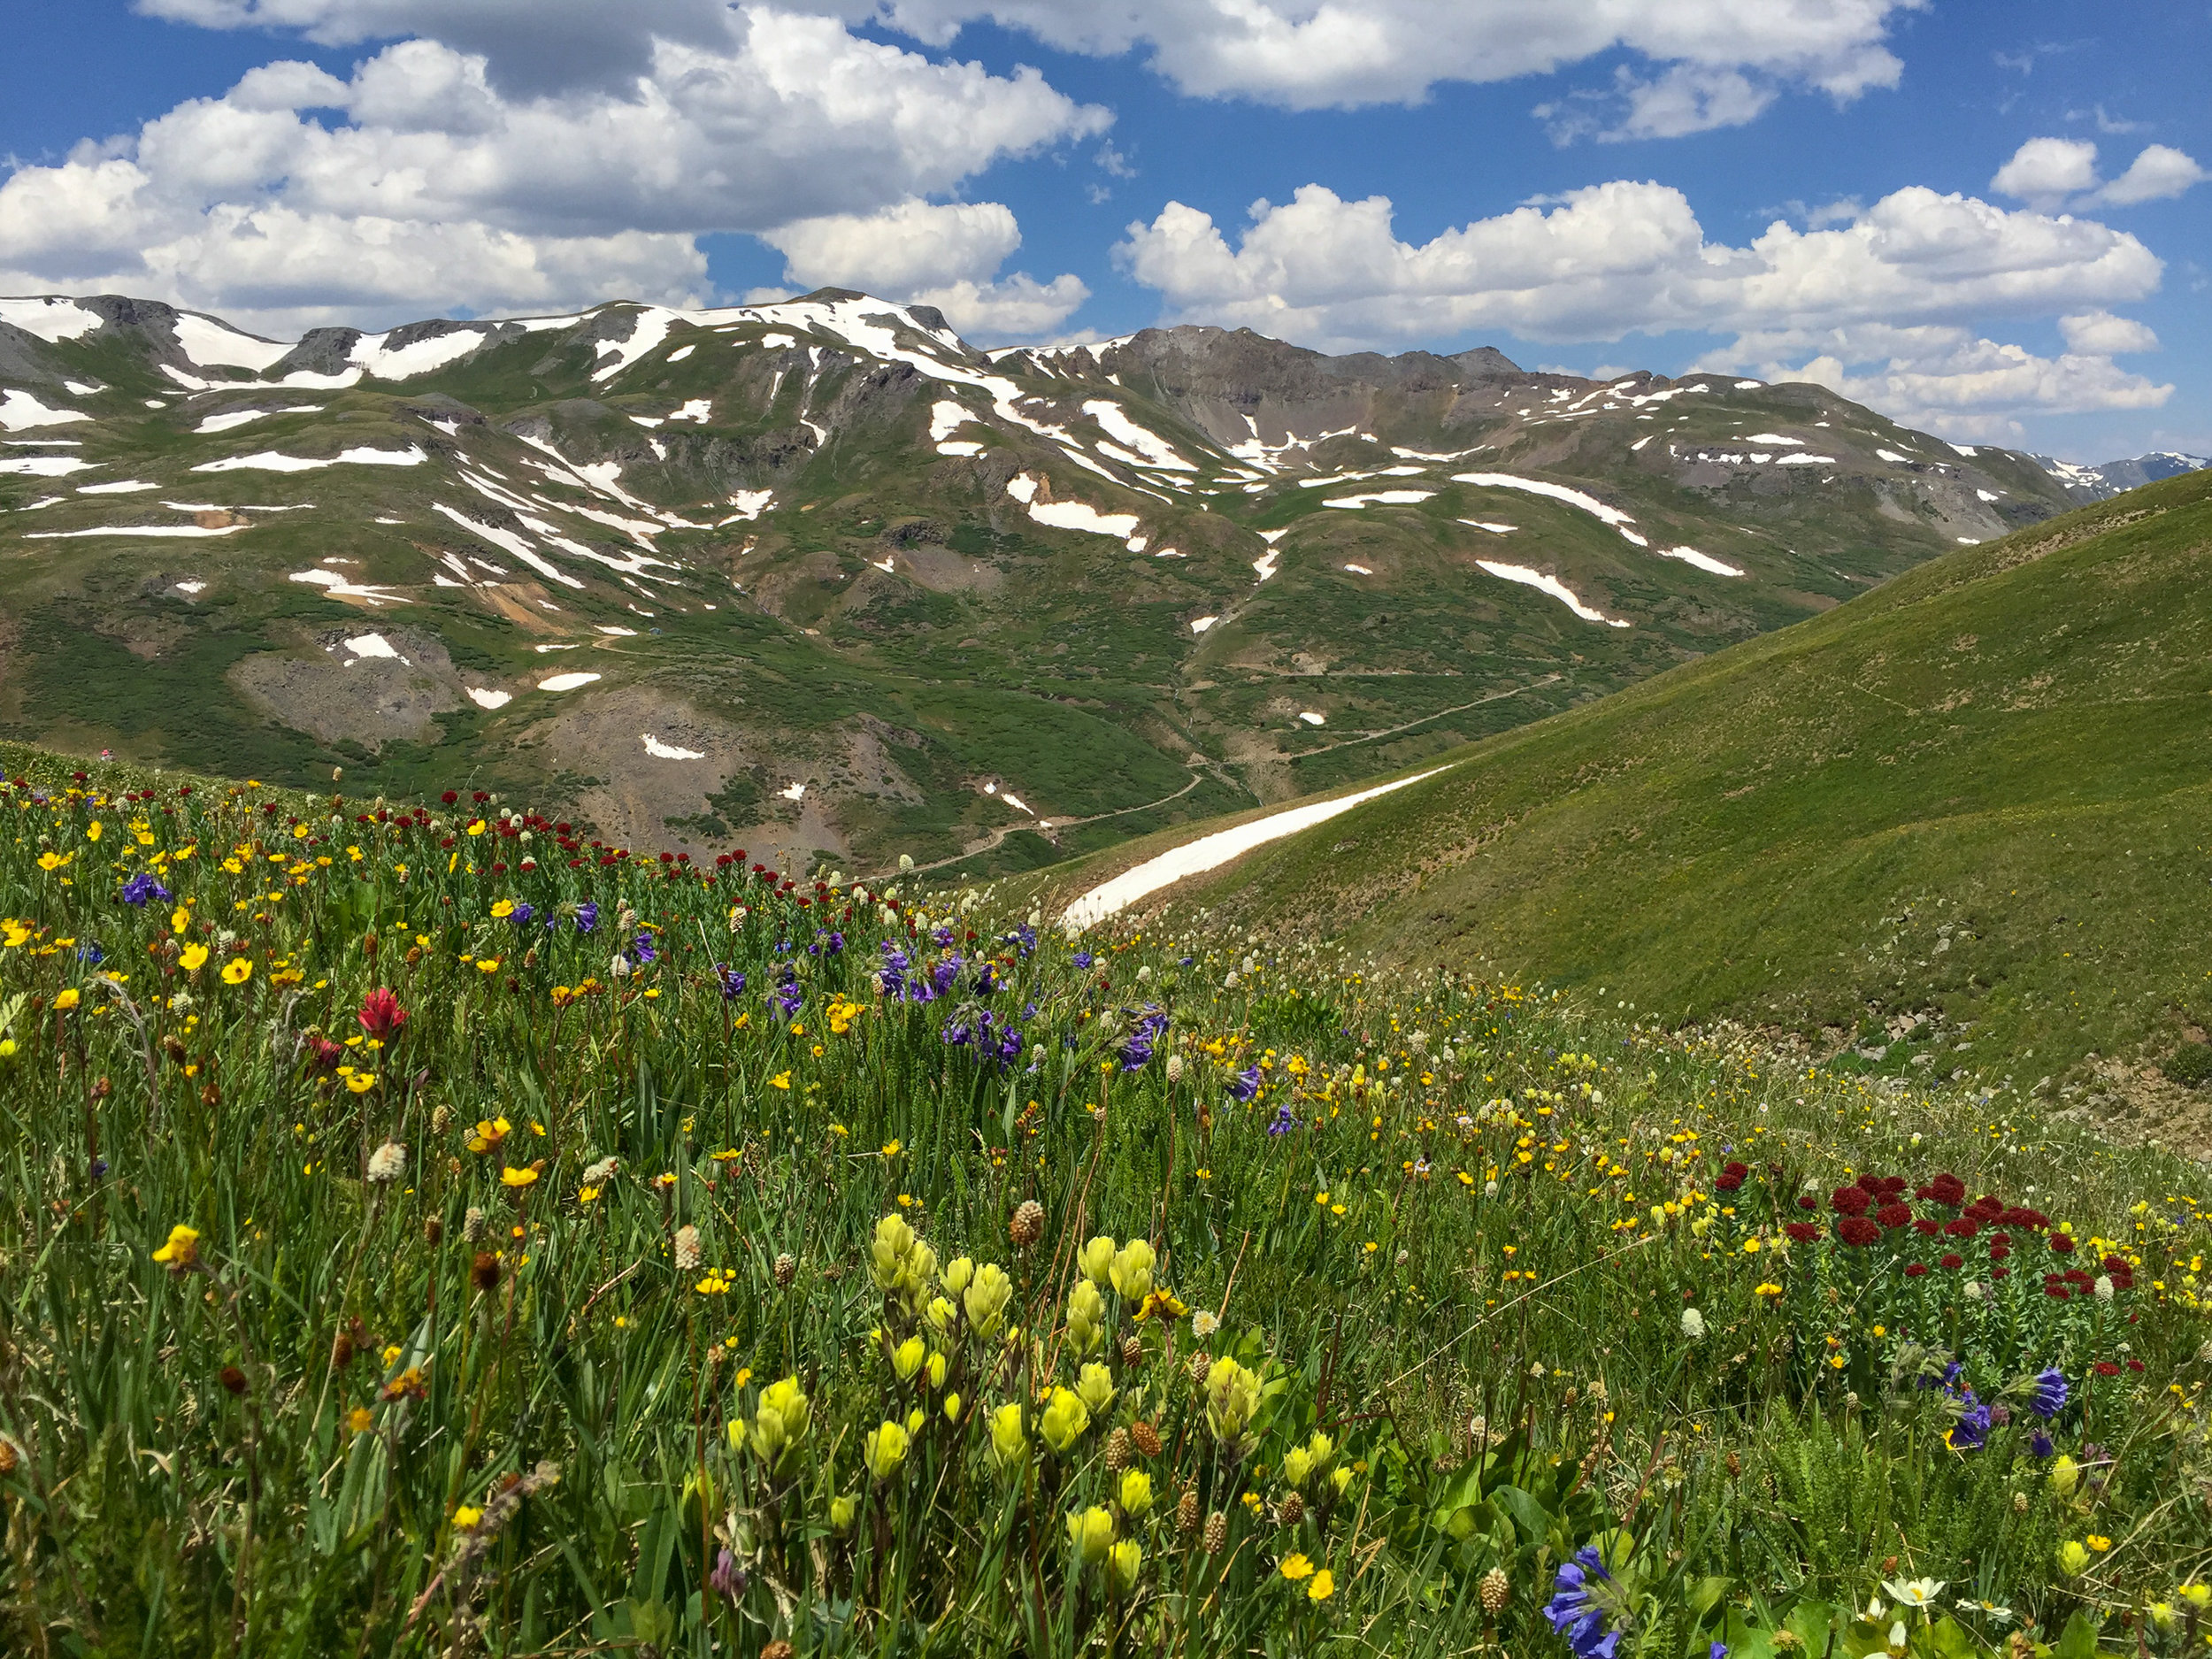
(381, 1015)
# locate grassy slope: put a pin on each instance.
(2003, 747)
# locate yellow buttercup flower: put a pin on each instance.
(183, 1248)
(782, 1079)
(466, 1517)
(361, 1082)
(66, 1001)
(1296, 1567)
(489, 1133)
(237, 970)
(1323, 1587)
(501, 909)
(192, 958)
(517, 1178)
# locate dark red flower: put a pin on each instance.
(2117, 1264)
(1851, 1201)
(1998, 1252)
(1951, 1259)
(448, 797)
(2001, 1272)
(1857, 1230)
(380, 1015)
(1963, 1227)
(1802, 1232)
(1806, 1201)
(1948, 1190)
(1916, 1270)
(1727, 1181)
(2057, 1293)
(1926, 1227)
(1893, 1215)
(2106, 1368)
(2135, 1365)
(323, 1055)
(2061, 1244)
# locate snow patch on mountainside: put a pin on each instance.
(19, 411)
(211, 344)
(1553, 586)
(52, 320)
(1210, 852)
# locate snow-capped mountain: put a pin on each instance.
(822, 580)
(2097, 483)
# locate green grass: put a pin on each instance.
(1519, 1261)
(1977, 793)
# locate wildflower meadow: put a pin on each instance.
(431, 1231)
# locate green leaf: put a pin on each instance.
(2078, 1641)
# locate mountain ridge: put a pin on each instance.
(844, 586)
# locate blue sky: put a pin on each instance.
(1586, 187)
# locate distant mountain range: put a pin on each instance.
(820, 580)
(2098, 483)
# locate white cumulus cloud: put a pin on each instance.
(2049, 173)
(1340, 54)
(945, 254)
(1631, 257)
(1952, 381)
(421, 183)
(1712, 61)
(2100, 333)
